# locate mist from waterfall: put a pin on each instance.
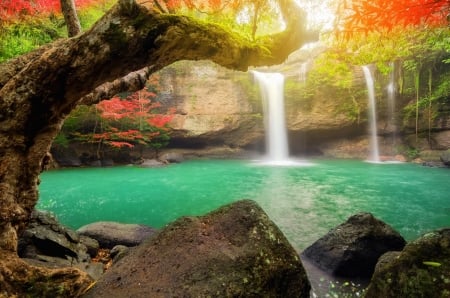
(271, 86)
(374, 155)
(391, 91)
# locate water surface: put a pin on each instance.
(305, 202)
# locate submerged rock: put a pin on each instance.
(110, 234)
(353, 248)
(235, 251)
(422, 269)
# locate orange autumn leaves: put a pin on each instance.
(379, 15)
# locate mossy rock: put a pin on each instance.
(235, 251)
(422, 269)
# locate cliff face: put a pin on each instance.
(211, 108)
(219, 107)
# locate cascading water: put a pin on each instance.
(303, 72)
(374, 155)
(391, 106)
(272, 93)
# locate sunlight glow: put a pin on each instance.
(320, 14)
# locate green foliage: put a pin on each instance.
(92, 14)
(331, 68)
(18, 38)
(82, 120)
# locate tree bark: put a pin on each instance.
(70, 17)
(39, 89)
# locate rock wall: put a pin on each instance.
(219, 107)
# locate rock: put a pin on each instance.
(44, 236)
(151, 163)
(420, 270)
(92, 245)
(47, 243)
(118, 252)
(235, 251)
(172, 157)
(400, 158)
(353, 248)
(95, 163)
(442, 139)
(107, 162)
(110, 234)
(386, 259)
(445, 158)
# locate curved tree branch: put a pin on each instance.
(130, 42)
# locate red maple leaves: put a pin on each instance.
(133, 120)
(376, 15)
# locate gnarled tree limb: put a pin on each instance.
(39, 89)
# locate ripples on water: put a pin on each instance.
(305, 201)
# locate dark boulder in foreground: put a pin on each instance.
(235, 251)
(353, 248)
(110, 234)
(422, 269)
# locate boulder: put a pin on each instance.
(235, 251)
(118, 252)
(353, 248)
(110, 234)
(172, 157)
(45, 236)
(445, 158)
(152, 163)
(421, 269)
(47, 243)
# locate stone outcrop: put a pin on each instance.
(352, 249)
(445, 158)
(235, 251)
(47, 243)
(110, 234)
(421, 269)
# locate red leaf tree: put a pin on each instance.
(133, 120)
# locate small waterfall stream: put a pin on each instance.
(303, 72)
(391, 91)
(272, 93)
(374, 155)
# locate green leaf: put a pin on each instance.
(433, 264)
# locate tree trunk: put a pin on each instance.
(39, 89)
(70, 17)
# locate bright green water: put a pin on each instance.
(305, 202)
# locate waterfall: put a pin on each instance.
(374, 151)
(272, 92)
(303, 72)
(391, 106)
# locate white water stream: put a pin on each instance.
(272, 93)
(374, 155)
